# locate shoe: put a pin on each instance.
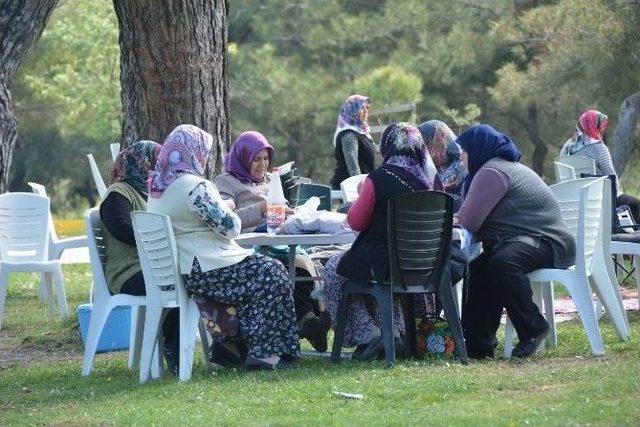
(529, 346)
(171, 352)
(398, 346)
(315, 331)
(227, 353)
(368, 351)
(253, 364)
(479, 355)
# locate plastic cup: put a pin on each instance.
(276, 215)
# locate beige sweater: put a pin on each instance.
(247, 198)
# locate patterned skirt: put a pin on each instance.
(260, 291)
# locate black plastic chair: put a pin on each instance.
(306, 191)
(419, 231)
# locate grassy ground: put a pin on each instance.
(40, 382)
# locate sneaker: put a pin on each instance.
(529, 346)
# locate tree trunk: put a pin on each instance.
(623, 136)
(173, 63)
(540, 148)
(21, 24)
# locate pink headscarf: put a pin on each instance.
(185, 151)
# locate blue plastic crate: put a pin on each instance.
(115, 334)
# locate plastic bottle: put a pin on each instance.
(276, 204)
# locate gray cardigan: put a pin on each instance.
(247, 198)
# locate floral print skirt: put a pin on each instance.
(260, 290)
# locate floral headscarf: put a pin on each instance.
(185, 151)
(244, 149)
(402, 146)
(591, 125)
(348, 117)
(133, 164)
(445, 152)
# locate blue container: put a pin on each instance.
(115, 334)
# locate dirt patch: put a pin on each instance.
(15, 351)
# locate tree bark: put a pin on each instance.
(21, 24)
(623, 136)
(540, 148)
(173, 69)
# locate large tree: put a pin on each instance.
(21, 24)
(173, 69)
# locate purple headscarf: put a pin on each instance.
(185, 151)
(402, 146)
(348, 117)
(244, 149)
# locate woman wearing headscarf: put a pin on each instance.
(403, 171)
(445, 152)
(588, 141)
(354, 148)
(517, 218)
(245, 182)
(127, 192)
(212, 264)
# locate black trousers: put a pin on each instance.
(633, 203)
(171, 325)
(497, 280)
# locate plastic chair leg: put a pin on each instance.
(60, 292)
(135, 335)
(607, 296)
(97, 321)
(549, 313)
(189, 316)
(341, 323)
(580, 293)
(384, 298)
(539, 301)
(445, 293)
(152, 321)
(409, 315)
(156, 361)
(48, 297)
(4, 284)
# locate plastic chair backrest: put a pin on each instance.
(323, 192)
(158, 256)
(115, 149)
(564, 172)
(581, 204)
(580, 164)
(97, 253)
(419, 229)
(349, 187)
(288, 185)
(24, 227)
(97, 177)
(41, 191)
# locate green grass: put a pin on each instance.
(559, 387)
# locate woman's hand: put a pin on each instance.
(231, 204)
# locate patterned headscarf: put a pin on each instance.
(402, 146)
(591, 125)
(445, 152)
(185, 151)
(483, 143)
(244, 149)
(133, 164)
(348, 118)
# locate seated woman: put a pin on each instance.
(245, 182)
(445, 152)
(403, 171)
(127, 192)
(354, 148)
(517, 218)
(212, 264)
(588, 142)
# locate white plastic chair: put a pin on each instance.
(564, 172)
(115, 149)
(104, 302)
(580, 164)
(349, 187)
(56, 246)
(159, 260)
(581, 204)
(97, 177)
(24, 246)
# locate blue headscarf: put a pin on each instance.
(483, 143)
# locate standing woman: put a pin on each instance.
(588, 142)
(403, 171)
(354, 148)
(213, 265)
(128, 192)
(517, 218)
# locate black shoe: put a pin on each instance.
(368, 351)
(253, 364)
(172, 357)
(228, 353)
(529, 346)
(479, 355)
(315, 331)
(398, 346)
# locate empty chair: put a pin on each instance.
(97, 177)
(115, 149)
(306, 191)
(24, 246)
(349, 187)
(163, 282)
(419, 230)
(580, 164)
(104, 302)
(564, 172)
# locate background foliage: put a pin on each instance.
(529, 67)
